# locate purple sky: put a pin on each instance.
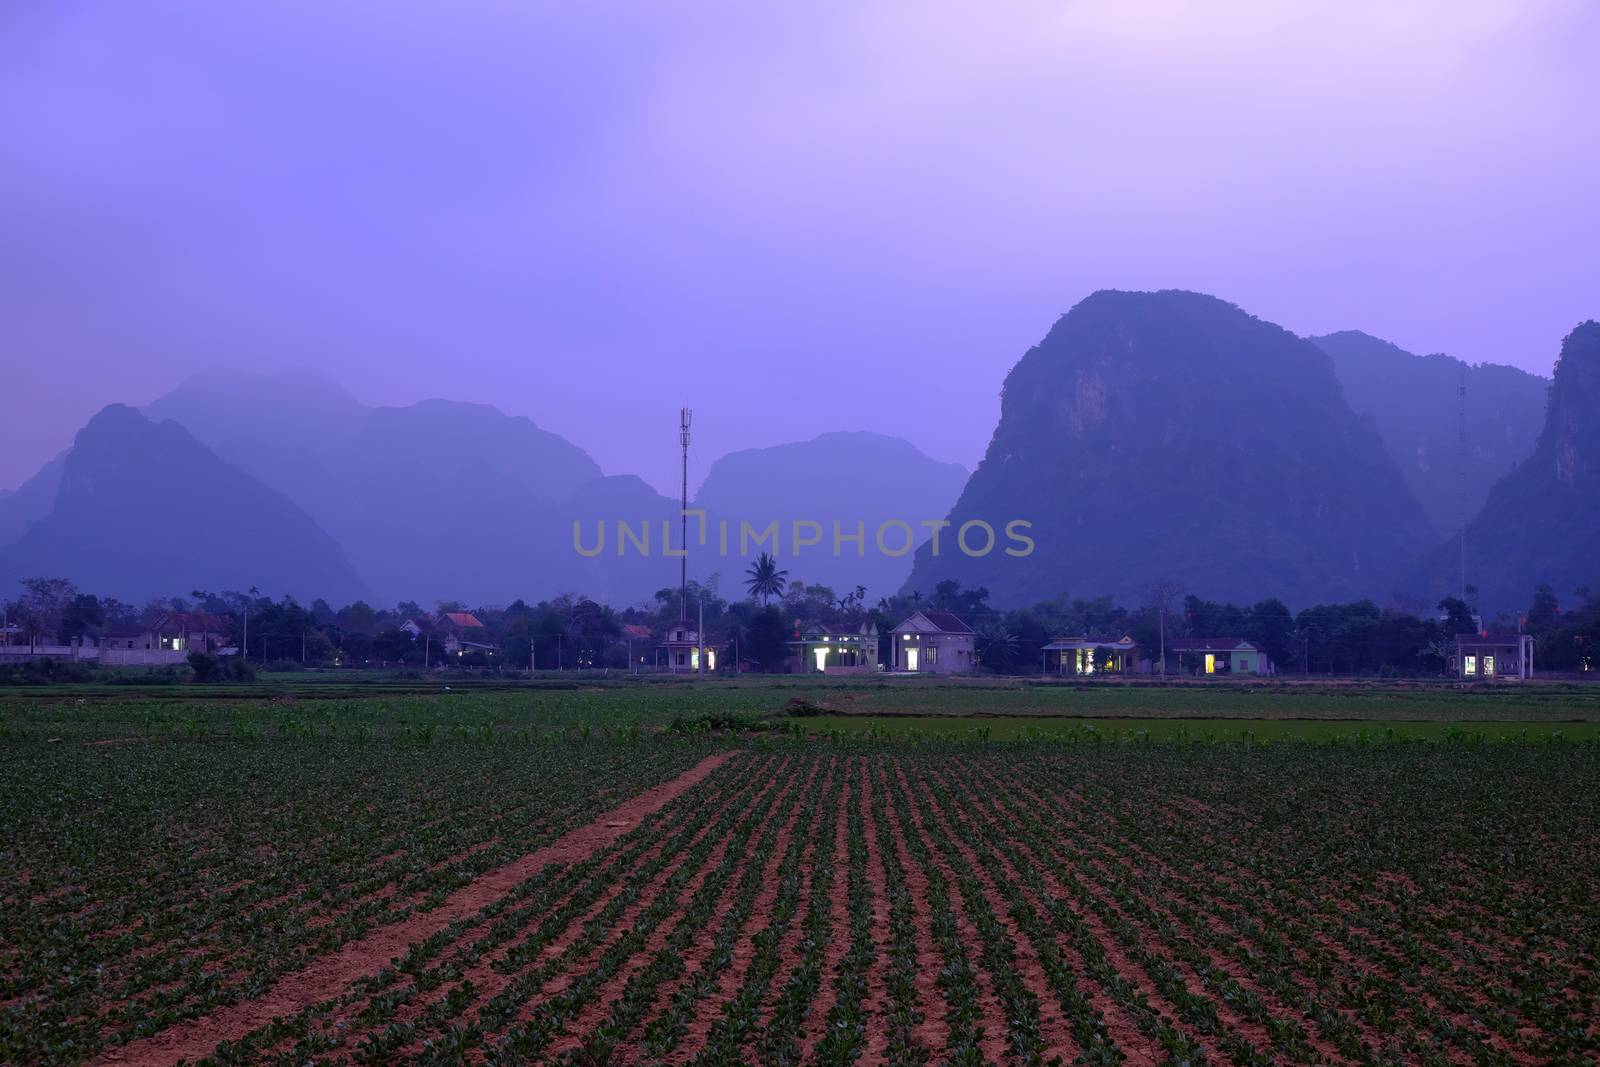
(796, 217)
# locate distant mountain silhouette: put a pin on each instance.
(851, 477)
(1417, 406)
(444, 499)
(436, 500)
(144, 509)
(1172, 434)
(31, 501)
(1540, 522)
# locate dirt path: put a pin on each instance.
(328, 976)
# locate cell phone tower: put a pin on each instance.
(1461, 475)
(684, 416)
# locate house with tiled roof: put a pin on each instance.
(638, 639)
(462, 632)
(934, 642)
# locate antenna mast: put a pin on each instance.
(683, 592)
(1461, 472)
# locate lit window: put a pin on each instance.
(1488, 666)
(1470, 666)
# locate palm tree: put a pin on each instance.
(997, 646)
(764, 579)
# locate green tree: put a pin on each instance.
(83, 617)
(1458, 616)
(1271, 625)
(766, 640)
(997, 646)
(44, 602)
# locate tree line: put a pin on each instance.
(752, 627)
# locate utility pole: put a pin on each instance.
(684, 417)
(700, 633)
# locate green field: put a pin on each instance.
(1007, 709)
(981, 873)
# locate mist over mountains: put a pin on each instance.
(453, 500)
(1149, 435)
(1424, 420)
(1540, 523)
(144, 506)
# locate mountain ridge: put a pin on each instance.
(198, 522)
(1418, 408)
(1171, 434)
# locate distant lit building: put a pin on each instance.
(1485, 657)
(835, 649)
(172, 631)
(1087, 656)
(682, 648)
(1211, 657)
(934, 642)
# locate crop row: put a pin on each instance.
(841, 904)
(139, 889)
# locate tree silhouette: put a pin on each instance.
(764, 579)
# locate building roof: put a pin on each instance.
(1062, 644)
(943, 622)
(1211, 644)
(634, 630)
(837, 629)
(1498, 640)
(190, 621)
(464, 619)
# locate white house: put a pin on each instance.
(934, 642)
(682, 648)
(837, 649)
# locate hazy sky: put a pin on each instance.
(797, 217)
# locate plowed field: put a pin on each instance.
(805, 903)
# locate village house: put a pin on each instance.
(682, 648)
(635, 634)
(1210, 657)
(934, 642)
(835, 649)
(172, 631)
(1487, 656)
(1086, 656)
(461, 632)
